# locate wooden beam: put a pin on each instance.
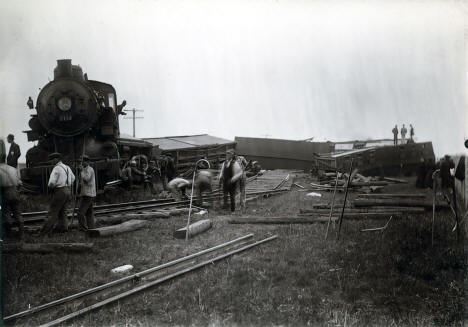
(392, 195)
(397, 202)
(127, 226)
(368, 209)
(194, 229)
(279, 220)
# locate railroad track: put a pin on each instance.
(140, 206)
(74, 305)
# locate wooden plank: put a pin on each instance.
(396, 202)
(279, 220)
(194, 229)
(396, 180)
(392, 195)
(47, 247)
(117, 219)
(369, 209)
(127, 226)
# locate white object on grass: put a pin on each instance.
(122, 269)
(201, 213)
(314, 194)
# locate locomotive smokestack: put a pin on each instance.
(63, 69)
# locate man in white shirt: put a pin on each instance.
(60, 182)
(9, 183)
(88, 193)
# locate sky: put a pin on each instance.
(331, 70)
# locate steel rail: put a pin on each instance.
(126, 207)
(121, 280)
(153, 283)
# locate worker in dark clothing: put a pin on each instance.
(152, 174)
(395, 135)
(14, 153)
(127, 178)
(168, 170)
(446, 178)
(171, 170)
(421, 173)
(138, 175)
(411, 133)
(10, 200)
(30, 103)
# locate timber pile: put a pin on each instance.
(370, 184)
(375, 206)
(270, 180)
(47, 247)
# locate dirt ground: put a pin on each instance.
(300, 279)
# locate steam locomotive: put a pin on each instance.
(77, 116)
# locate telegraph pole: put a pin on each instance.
(133, 117)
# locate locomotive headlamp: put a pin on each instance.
(64, 103)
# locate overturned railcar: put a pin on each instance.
(371, 157)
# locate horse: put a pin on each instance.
(232, 175)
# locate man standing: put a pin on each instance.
(445, 176)
(88, 193)
(395, 135)
(403, 134)
(60, 182)
(14, 152)
(232, 176)
(10, 200)
(411, 133)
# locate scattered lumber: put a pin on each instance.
(371, 183)
(395, 180)
(47, 247)
(117, 219)
(359, 214)
(370, 209)
(397, 202)
(194, 229)
(124, 227)
(392, 195)
(279, 220)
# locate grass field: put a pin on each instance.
(364, 279)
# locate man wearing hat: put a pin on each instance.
(14, 153)
(231, 176)
(88, 193)
(60, 182)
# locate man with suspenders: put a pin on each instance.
(60, 182)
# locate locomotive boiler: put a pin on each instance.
(77, 116)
